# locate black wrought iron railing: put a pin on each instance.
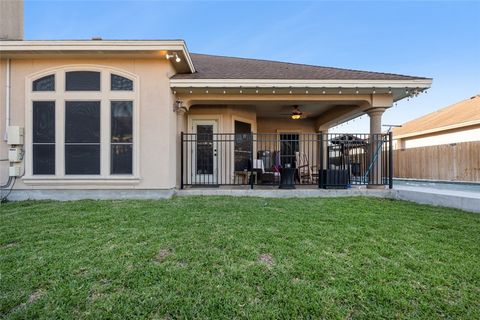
(330, 160)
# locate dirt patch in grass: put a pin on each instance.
(9, 244)
(266, 258)
(162, 255)
(35, 296)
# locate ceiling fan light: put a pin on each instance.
(296, 116)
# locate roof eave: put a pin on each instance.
(10, 49)
(300, 83)
(434, 130)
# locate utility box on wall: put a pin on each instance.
(14, 170)
(15, 135)
(15, 154)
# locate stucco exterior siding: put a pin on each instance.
(155, 122)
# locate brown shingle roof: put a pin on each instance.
(463, 112)
(218, 67)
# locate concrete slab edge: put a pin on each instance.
(471, 204)
(86, 194)
(465, 203)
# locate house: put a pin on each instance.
(131, 118)
(457, 123)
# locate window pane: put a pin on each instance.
(82, 121)
(121, 159)
(119, 83)
(44, 84)
(121, 116)
(43, 159)
(289, 144)
(242, 145)
(43, 121)
(204, 149)
(82, 159)
(82, 81)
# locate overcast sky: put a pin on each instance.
(440, 40)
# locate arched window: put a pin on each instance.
(46, 83)
(119, 83)
(87, 134)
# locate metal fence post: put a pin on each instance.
(320, 173)
(181, 160)
(251, 160)
(390, 160)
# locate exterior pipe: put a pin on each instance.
(7, 99)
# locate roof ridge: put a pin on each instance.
(309, 65)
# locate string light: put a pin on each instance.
(224, 91)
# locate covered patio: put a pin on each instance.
(259, 123)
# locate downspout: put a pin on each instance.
(7, 98)
(7, 116)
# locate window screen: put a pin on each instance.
(119, 83)
(82, 81)
(121, 137)
(82, 137)
(43, 135)
(46, 83)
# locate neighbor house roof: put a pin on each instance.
(461, 114)
(219, 67)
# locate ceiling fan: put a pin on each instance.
(296, 114)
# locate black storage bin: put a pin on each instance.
(333, 179)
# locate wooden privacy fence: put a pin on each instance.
(458, 162)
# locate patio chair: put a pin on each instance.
(305, 171)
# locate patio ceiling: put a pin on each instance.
(309, 109)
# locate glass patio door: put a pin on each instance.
(205, 152)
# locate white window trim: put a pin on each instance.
(105, 96)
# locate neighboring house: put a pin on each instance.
(105, 118)
(457, 123)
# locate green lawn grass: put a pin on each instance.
(222, 257)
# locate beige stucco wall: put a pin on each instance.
(156, 120)
(274, 125)
(224, 114)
